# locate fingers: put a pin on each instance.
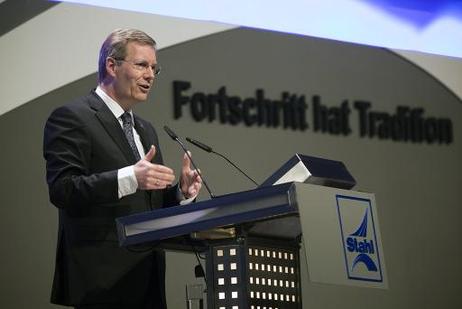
(194, 176)
(153, 183)
(160, 169)
(150, 169)
(159, 176)
(191, 183)
(155, 177)
(152, 176)
(186, 162)
(162, 173)
(151, 153)
(195, 188)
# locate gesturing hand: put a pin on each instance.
(152, 176)
(190, 181)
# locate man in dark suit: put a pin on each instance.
(104, 162)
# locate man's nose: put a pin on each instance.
(149, 72)
(149, 75)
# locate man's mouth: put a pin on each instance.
(145, 88)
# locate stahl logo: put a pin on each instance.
(359, 239)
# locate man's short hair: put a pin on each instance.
(115, 46)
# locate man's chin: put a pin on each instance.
(141, 97)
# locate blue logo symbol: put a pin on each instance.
(357, 242)
(359, 239)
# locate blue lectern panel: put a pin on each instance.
(236, 208)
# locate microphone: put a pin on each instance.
(199, 144)
(177, 139)
(209, 149)
(172, 134)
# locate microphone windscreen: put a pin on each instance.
(170, 133)
(199, 144)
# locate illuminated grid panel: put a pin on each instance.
(248, 274)
(273, 278)
(227, 268)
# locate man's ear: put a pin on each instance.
(111, 66)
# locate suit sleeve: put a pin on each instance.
(67, 151)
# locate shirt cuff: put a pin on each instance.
(181, 197)
(127, 181)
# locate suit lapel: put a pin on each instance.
(112, 126)
(148, 138)
(144, 136)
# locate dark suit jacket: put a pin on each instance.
(84, 146)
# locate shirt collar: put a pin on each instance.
(113, 106)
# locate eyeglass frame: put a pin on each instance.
(143, 66)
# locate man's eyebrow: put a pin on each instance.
(143, 61)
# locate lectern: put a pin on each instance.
(255, 263)
(256, 266)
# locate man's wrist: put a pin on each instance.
(127, 181)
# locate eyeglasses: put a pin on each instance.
(143, 66)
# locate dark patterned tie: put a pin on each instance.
(128, 130)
